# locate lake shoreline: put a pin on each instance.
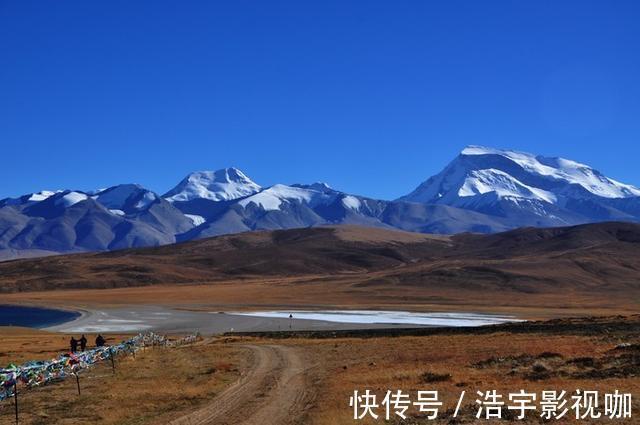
(177, 321)
(36, 316)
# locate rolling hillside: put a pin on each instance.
(592, 261)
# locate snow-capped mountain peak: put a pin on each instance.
(29, 198)
(71, 198)
(561, 170)
(319, 186)
(42, 195)
(126, 198)
(273, 197)
(221, 185)
(513, 175)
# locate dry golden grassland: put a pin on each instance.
(451, 364)
(331, 294)
(157, 385)
(162, 384)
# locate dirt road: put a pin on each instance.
(274, 390)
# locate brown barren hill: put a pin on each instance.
(596, 262)
(281, 253)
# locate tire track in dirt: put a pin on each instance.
(273, 391)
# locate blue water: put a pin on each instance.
(33, 317)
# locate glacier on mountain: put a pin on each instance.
(273, 197)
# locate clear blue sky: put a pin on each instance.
(371, 96)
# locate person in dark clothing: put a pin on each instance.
(83, 343)
(100, 341)
(74, 344)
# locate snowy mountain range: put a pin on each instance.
(482, 190)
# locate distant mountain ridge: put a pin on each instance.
(483, 190)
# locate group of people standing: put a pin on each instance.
(82, 343)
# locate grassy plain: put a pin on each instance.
(159, 384)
